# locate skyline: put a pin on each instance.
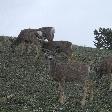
(74, 21)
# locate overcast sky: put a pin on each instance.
(74, 20)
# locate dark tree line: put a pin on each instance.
(103, 38)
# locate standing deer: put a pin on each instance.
(59, 47)
(105, 68)
(68, 72)
(34, 36)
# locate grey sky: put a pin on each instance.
(74, 20)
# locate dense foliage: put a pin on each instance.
(25, 85)
(103, 38)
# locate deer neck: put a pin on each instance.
(52, 65)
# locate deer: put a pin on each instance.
(69, 72)
(59, 47)
(34, 36)
(105, 68)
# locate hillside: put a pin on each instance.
(25, 85)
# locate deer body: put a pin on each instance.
(69, 71)
(31, 35)
(59, 47)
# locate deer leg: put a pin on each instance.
(22, 44)
(37, 52)
(61, 93)
(28, 49)
(110, 88)
(84, 95)
(83, 102)
(91, 90)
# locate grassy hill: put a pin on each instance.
(25, 85)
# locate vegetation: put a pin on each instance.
(25, 85)
(103, 38)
